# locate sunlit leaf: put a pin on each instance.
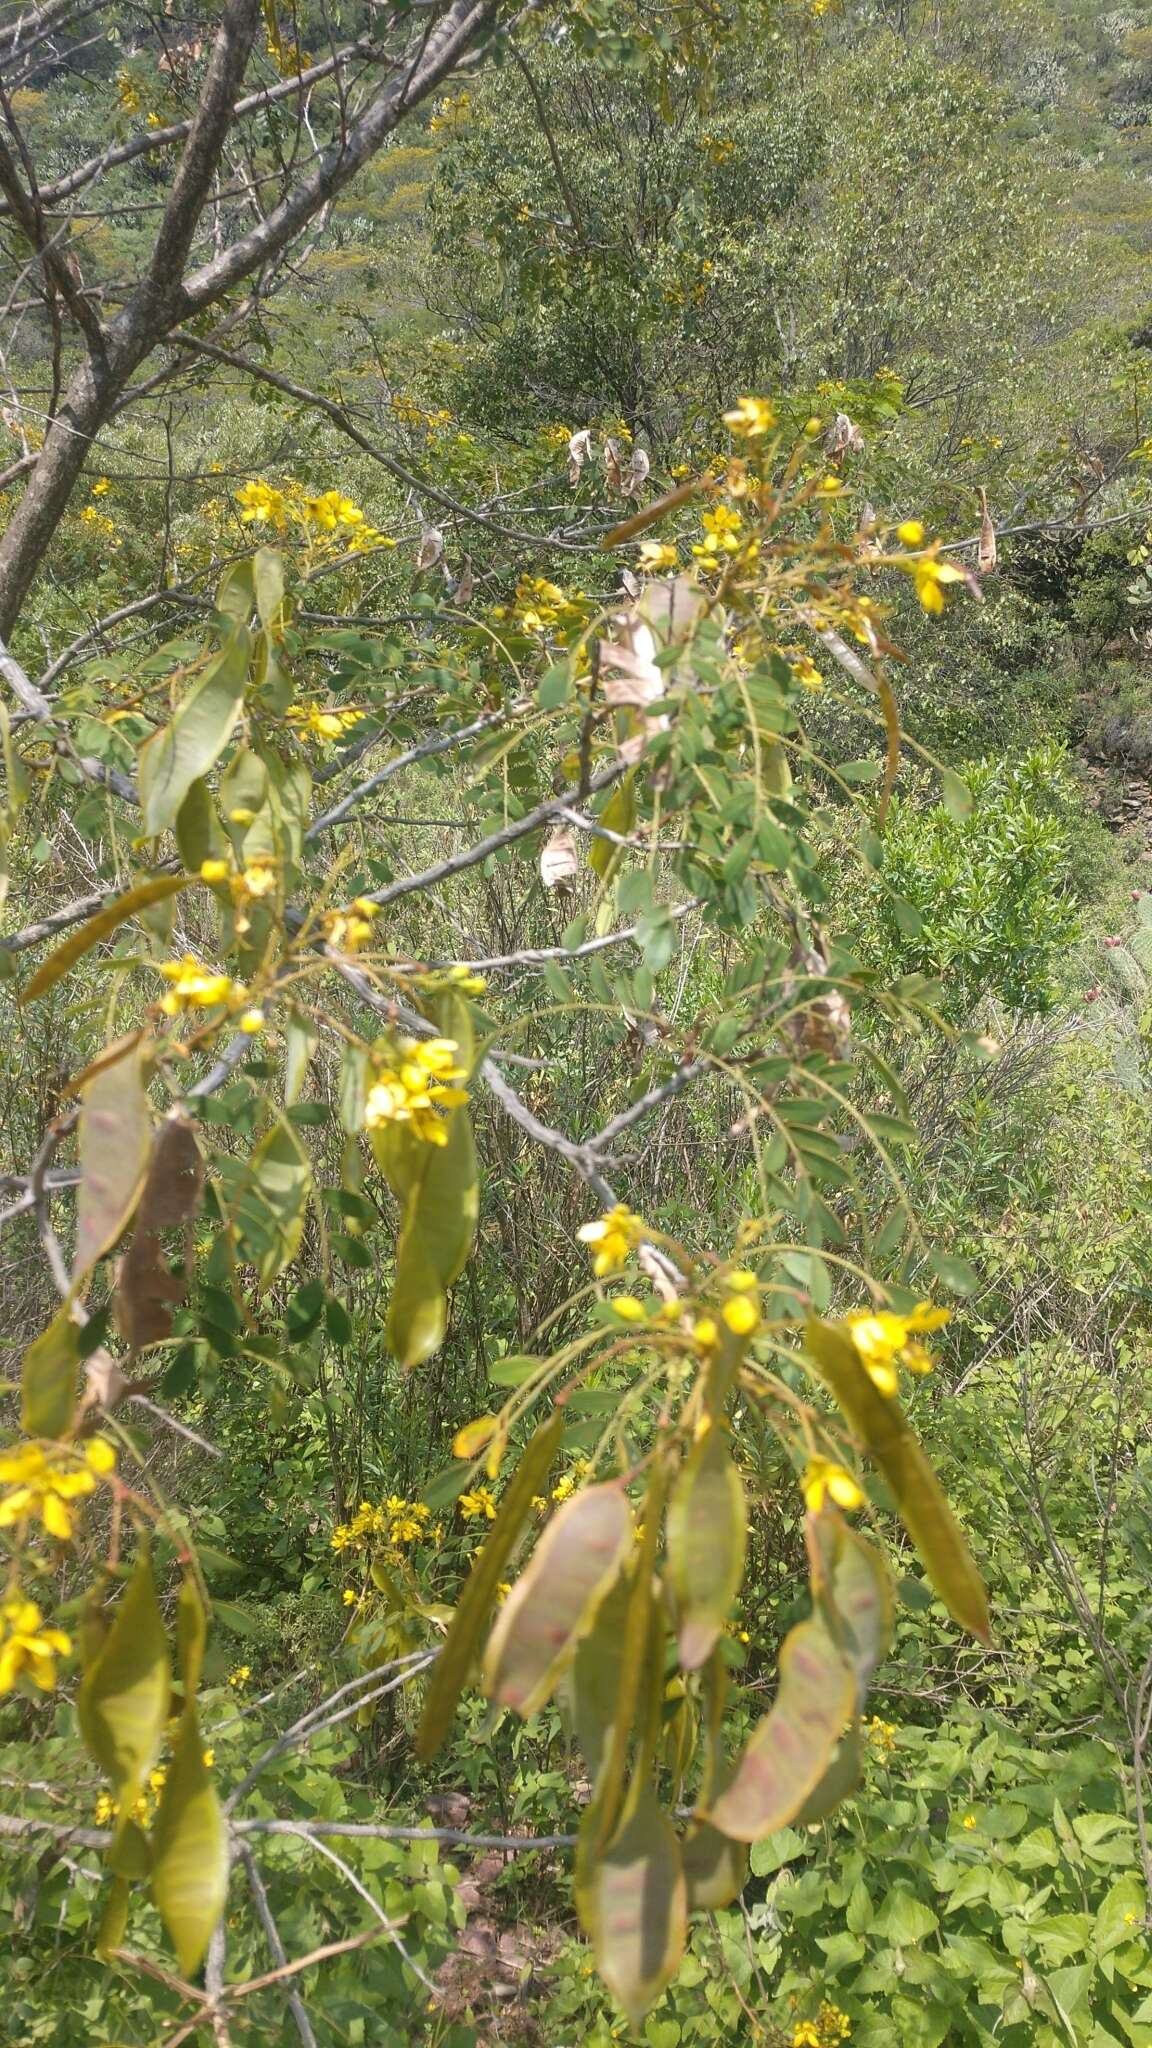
(555, 1599)
(124, 1695)
(114, 1142)
(789, 1750)
(878, 1421)
(169, 763)
(189, 1849)
(592, 1686)
(455, 1659)
(101, 926)
(707, 1539)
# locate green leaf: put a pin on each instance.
(123, 1700)
(114, 1918)
(592, 1686)
(455, 1659)
(715, 1868)
(169, 763)
(267, 1211)
(955, 795)
(633, 1905)
(189, 1849)
(512, 1372)
(300, 1041)
(114, 1143)
(790, 1749)
(555, 1599)
(268, 582)
(707, 1541)
(878, 1421)
(418, 1306)
(198, 831)
(439, 1226)
(191, 1635)
(101, 926)
(48, 1380)
(859, 1594)
(954, 1273)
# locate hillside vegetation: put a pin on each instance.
(576, 973)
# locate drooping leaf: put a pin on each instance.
(169, 763)
(838, 1782)
(555, 1599)
(101, 926)
(641, 1660)
(124, 1695)
(197, 827)
(114, 1141)
(856, 1590)
(418, 1305)
(191, 1635)
(789, 1750)
(879, 1422)
(443, 1203)
(113, 1918)
(268, 1207)
(454, 1661)
(146, 1288)
(48, 1379)
(707, 1540)
(300, 1041)
(715, 1868)
(592, 1686)
(189, 1849)
(633, 1905)
(268, 580)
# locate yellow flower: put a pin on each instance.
(477, 1505)
(930, 576)
(882, 1338)
(26, 1646)
(750, 418)
(104, 1810)
(706, 1332)
(331, 510)
(411, 1091)
(881, 1734)
(101, 487)
(827, 2030)
(239, 1676)
(311, 720)
(44, 1489)
(741, 1315)
(824, 1480)
(911, 533)
(348, 930)
(262, 505)
(614, 1236)
(209, 1758)
(350, 1596)
(193, 986)
(214, 871)
(628, 1308)
(656, 555)
(251, 1022)
(969, 1821)
(806, 672)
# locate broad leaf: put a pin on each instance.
(115, 1136)
(555, 1599)
(123, 1701)
(715, 1868)
(790, 1749)
(455, 1659)
(48, 1379)
(101, 926)
(268, 1206)
(169, 763)
(707, 1540)
(633, 1906)
(879, 1422)
(190, 1849)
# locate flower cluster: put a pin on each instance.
(477, 1505)
(416, 1087)
(884, 1339)
(27, 1648)
(107, 1808)
(542, 608)
(323, 515)
(192, 986)
(42, 1487)
(395, 1522)
(750, 419)
(881, 1735)
(824, 1481)
(410, 414)
(312, 721)
(722, 527)
(614, 1237)
(348, 930)
(829, 2027)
